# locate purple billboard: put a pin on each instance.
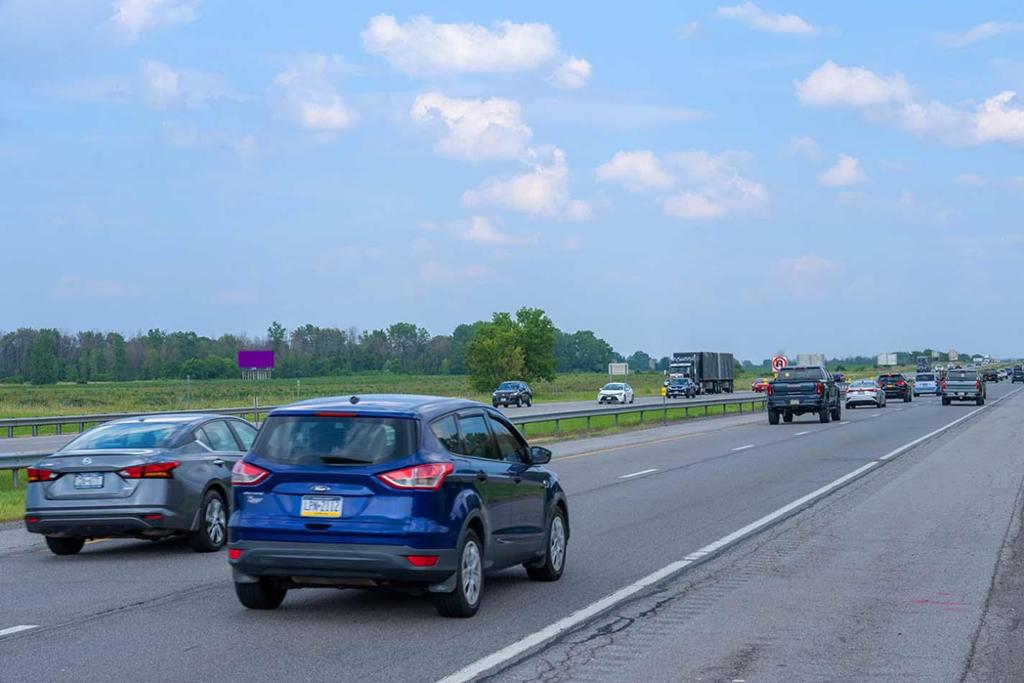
(256, 359)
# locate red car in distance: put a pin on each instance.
(760, 384)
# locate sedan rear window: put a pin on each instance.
(333, 440)
(125, 436)
(869, 383)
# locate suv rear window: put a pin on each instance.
(331, 440)
(962, 375)
(800, 373)
(926, 378)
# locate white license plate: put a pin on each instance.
(89, 480)
(794, 401)
(321, 506)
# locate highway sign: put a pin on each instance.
(779, 362)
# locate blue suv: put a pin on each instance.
(414, 493)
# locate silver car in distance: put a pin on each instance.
(865, 392)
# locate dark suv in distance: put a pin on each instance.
(895, 385)
(680, 387)
(1018, 375)
(514, 393)
(414, 493)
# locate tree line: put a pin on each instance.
(524, 345)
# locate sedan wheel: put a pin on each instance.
(213, 524)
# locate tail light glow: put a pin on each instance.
(37, 474)
(31, 520)
(247, 474)
(427, 477)
(820, 388)
(154, 470)
(422, 560)
(234, 553)
(770, 391)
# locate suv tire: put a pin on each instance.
(64, 546)
(825, 415)
(773, 416)
(556, 544)
(464, 601)
(264, 594)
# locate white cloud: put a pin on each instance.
(307, 96)
(998, 121)
(720, 179)
(759, 19)
(544, 191)
(572, 74)
(133, 17)
(692, 207)
(831, 84)
(970, 179)
(807, 276)
(804, 146)
(156, 85)
(637, 170)
(888, 99)
(688, 30)
(422, 46)
(846, 171)
(474, 129)
(983, 31)
(481, 231)
(162, 84)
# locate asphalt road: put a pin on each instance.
(48, 444)
(899, 561)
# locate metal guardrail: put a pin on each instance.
(755, 403)
(18, 461)
(8, 425)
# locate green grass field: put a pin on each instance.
(12, 500)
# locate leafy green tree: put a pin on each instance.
(276, 335)
(537, 339)
(43, 362)
(639, 362)
(495, 353)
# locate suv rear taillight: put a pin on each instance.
(769, 389)
(942, 385)
(820, 388)
(978, 385)
(37, 474)
(154, 470)
(247, 474)
(419, 477)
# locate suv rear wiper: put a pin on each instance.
(340, 460)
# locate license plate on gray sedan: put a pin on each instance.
(89, 480)
(320, 506)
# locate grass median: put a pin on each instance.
(12, 500)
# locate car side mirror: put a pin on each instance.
(539, 455)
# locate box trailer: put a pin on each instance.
(711, 371)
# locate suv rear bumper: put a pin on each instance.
(338, 561)
(105, 522)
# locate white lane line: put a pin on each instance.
(875, 415)
(897, 409)
(537, 638)
(637, 474)
(845, 422)
(16, 629)
(801, 433)
(743, 448)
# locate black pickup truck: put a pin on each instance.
(799, 390)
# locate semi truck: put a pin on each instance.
(712, 372)
(924, 364)
(810, 360)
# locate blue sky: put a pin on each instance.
(811, 177)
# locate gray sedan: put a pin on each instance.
(148, 477)
(865, 392)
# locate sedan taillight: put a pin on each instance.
(38, 474)
(427, 477)
(154, 470)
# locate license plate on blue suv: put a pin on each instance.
(321, 506)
